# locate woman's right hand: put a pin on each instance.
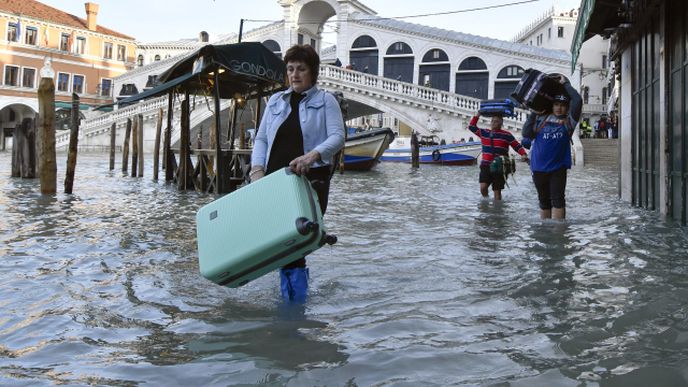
(257, 176)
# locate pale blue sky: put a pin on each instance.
(163, 20)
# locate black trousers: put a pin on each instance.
(551, 187)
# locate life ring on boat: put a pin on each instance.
(436, 155)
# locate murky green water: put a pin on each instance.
(429, 285)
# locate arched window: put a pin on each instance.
(139, 60)
(435, 55)
(472, 78)
(399, 48)
(434, 70)
(273, 46)
(157, 58)
(472, 63)
(507, 80)
(511, 71)
(399, 63)
(363, 55)
(203, 37)
(364, 41)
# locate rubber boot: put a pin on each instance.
(294, 284)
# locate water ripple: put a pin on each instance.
(428, 285)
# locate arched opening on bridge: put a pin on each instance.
(434, 70)
(273, 46)
(311, 19)
(399, 62)
(364, 54)
(472, 78)
(11, 116)
(507, 80)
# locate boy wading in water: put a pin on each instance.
(495, 142)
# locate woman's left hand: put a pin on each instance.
(302, 164)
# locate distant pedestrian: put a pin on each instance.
(613, 126)
(585, 128)
(601, 127)
(495, 143)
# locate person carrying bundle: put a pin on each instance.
(495, 143)
(550, 132)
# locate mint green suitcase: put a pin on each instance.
(258, 228)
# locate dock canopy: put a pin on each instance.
(248, 69)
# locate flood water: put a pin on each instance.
(429, 285)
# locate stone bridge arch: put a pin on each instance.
(307, 18)
(399, 111)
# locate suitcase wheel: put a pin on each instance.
(330, 239)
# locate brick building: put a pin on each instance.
(84, 56)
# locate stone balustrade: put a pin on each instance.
(420, 96)
(375, 87)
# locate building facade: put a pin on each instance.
(432, 62)
(650, 52)
(555, 29)
(84, 56)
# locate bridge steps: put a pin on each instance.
(601, 152)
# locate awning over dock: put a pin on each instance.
(249, 69)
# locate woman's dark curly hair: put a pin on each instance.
(306, 54)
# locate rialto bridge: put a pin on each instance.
(428, 79)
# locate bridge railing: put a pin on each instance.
(101, 124)
(436, 98)
(433, 98)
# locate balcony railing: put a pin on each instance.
(594, 108)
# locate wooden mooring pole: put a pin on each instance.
(46, 129)
(125, 147)
(184, 177)
(140, 142)
(168, 156)
(415, 151)
(16, 151)
(156, 147)
(134, 146)
(24, 150)
(113, 136)
(73, 145)
(221, 178)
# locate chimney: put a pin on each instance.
(91, 15)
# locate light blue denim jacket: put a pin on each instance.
(321, 124)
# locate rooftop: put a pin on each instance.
(461, 37)
(37, 10)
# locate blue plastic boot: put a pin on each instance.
(294, 284)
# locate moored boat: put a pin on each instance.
(441, 154)
(362, 150)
